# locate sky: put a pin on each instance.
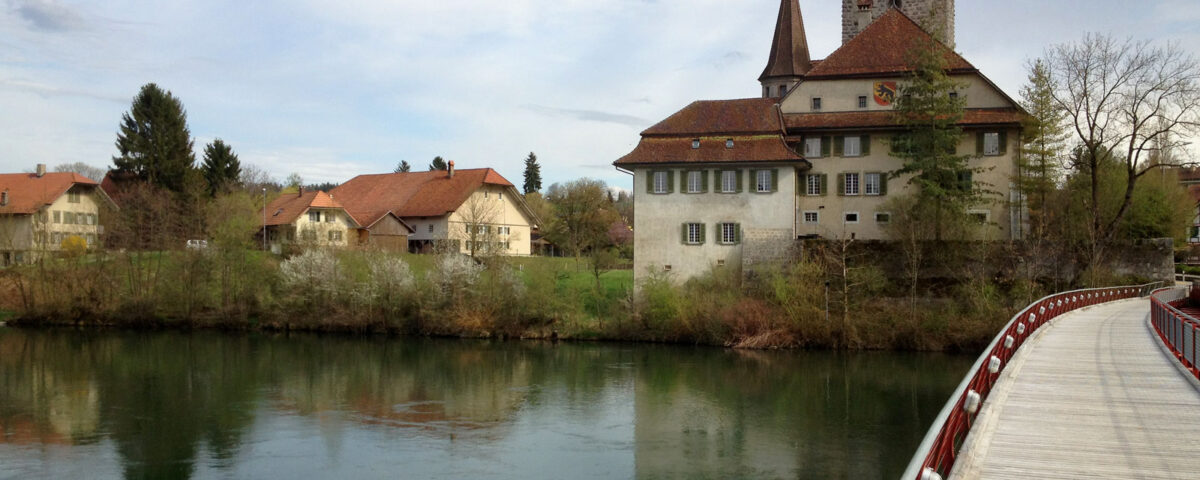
(333, 89)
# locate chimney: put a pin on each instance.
(4, 198)
(450, 169)
(41, 170)
(300, 191)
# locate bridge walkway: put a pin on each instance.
(1090, 395)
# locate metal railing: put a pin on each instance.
(936, 455)
(1176, 329)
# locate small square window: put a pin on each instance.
(883, 218)
(954, 95)
(816, 103)
(812, 218)
(851, 217)
(782, 90)
(980, 216)
(666, 268)
(862, 101)
(431, 228)
(729, 143)
(696, 143)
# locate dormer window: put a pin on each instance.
(816, 103)
(729, 143)
(695, 143)
(862, 102)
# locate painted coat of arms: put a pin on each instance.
(885, 93)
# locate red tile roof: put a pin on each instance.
(27, 192)
(1189, 174)
(885, 119)
(415, 194)
(882, 49)
(789, 50)
(289, 206)
(721, 117)
(657, 150)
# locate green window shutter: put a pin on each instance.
(775, 180)
(753, 184)
(649, 181)
(683, 233)
(883, 181)
(825, 141)
(704, 181)
(703, 227)
(737, 234)
(670, 181)
(824, 184)
(740, 183)
(839, 145)
(1003, 143)
(979, 144)
(841, 184)
(865, 144)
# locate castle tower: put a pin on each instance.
(935, 16)
(789, 59)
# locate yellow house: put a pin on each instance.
(39, 211)
(308, 219)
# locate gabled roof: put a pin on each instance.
(882, 50)
(789, 49)
(289, 206)
(721, 117)
(413, 194)
(748, 149)
(884, 119)
(27, 192)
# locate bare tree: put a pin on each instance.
(1127, 99)
(478, 216)
(94, 173)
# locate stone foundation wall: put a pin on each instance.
(766, 246)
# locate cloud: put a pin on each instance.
(47, 15)
(589, 115)
(52, 91)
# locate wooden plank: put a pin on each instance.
(1089, 396)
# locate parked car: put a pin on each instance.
(197, 244)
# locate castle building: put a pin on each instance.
(731, 182)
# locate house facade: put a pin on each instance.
(308, 219)
(811, 158)
(471, 211)
(41, 211)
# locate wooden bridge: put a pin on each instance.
(1095, 383)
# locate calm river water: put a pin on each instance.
(108, 404)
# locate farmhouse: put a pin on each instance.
(41, 211)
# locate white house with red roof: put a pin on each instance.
(471, 211)
(40, 211)
(308, 219)
(727, 182)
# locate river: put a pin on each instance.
(111, 404)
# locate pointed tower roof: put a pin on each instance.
(789, 50)
(882, 49)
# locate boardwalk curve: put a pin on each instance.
(1091, 395)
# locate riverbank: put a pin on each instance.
(536, 298)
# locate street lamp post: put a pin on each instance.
(264, 218)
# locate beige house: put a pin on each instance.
(40, 211)
(308, 219)
(472, 211)
(734, 181)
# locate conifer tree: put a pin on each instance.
(1042, 144)
(928, 141)
(403, 167)
(220, 167)
(533, 174)
(438, 163)
(154, 142)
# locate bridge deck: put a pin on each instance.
(1092, 395)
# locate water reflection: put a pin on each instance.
(205, 405)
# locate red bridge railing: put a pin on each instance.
(1171, 315)
(938, 451)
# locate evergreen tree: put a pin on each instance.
(929, 140)
(154, 141)
(438, 164)
(533, 174)
(1042, 145)
(403, 167)
(220, 167)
